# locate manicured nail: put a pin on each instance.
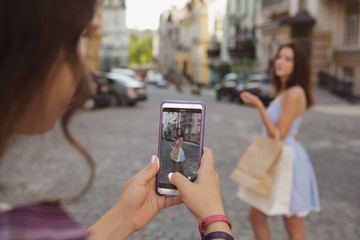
(153, 157)
(170, 175)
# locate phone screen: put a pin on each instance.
(181, 128)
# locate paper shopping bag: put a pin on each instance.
(174, 153)
(278, 203)
(256, 169)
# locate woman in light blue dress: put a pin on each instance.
(181, 156)
(291, 81)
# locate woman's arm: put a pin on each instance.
(139, 202)
(137, 205)
(203, 198)
(270, 126)
(180, 142)
(290, 110)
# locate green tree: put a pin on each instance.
(140, 49)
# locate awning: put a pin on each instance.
(301, 18)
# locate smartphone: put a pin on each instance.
(181, 139)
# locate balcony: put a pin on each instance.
(346, 56)
(268, 3)
(242, 53)
(244, 49)
(188, 121)
(274, 4)
(213, 53)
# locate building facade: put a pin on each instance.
(114, 49)
(217, 52)
(329, 30)
(284, 21)
(242, 35)
(232, 36)
(191, 56)
(166, 40)
(92, 38)
(191, 124)
(342, 23)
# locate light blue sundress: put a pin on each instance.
(304, 195)
(181, 155)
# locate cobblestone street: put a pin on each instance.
(189, 165)
(122, 140)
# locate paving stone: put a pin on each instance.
(122, 140)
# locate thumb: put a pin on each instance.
(180, 181)
(149, 172)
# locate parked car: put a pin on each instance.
(151, 77)
(99, 97)
(160, 80)
(122, 89)
(126, 71)
(257, 84)
(226, 87)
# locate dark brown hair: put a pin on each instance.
(182, 133)
(34, 34)
(301, 74)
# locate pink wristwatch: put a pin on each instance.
(211, 219)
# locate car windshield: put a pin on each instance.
(120, 78)
(240, 80)
(266, 80)
(124, 71)
(254, 80)
(123, 78)
(259, 78)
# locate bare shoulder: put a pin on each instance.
(294, 95)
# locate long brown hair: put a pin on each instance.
(33, 35)
(300, 75)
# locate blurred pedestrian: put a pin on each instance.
(292, 84)
(181, 155)
(42, 80)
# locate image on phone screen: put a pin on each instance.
(182, 126)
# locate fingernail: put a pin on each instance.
(153, 157)
(170, 175)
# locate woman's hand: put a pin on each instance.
(203, 197)
(136, 207)
(250, 99)
(139, 201)
(173, 139)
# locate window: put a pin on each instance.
(352, 22)
(302, 4)
(270, 3)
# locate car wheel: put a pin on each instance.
(231, 98)
(113, 100)
(124, 101)
(218, 97)
(131, 104)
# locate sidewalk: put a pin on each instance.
(326, 102)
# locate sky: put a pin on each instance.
(144, 14)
